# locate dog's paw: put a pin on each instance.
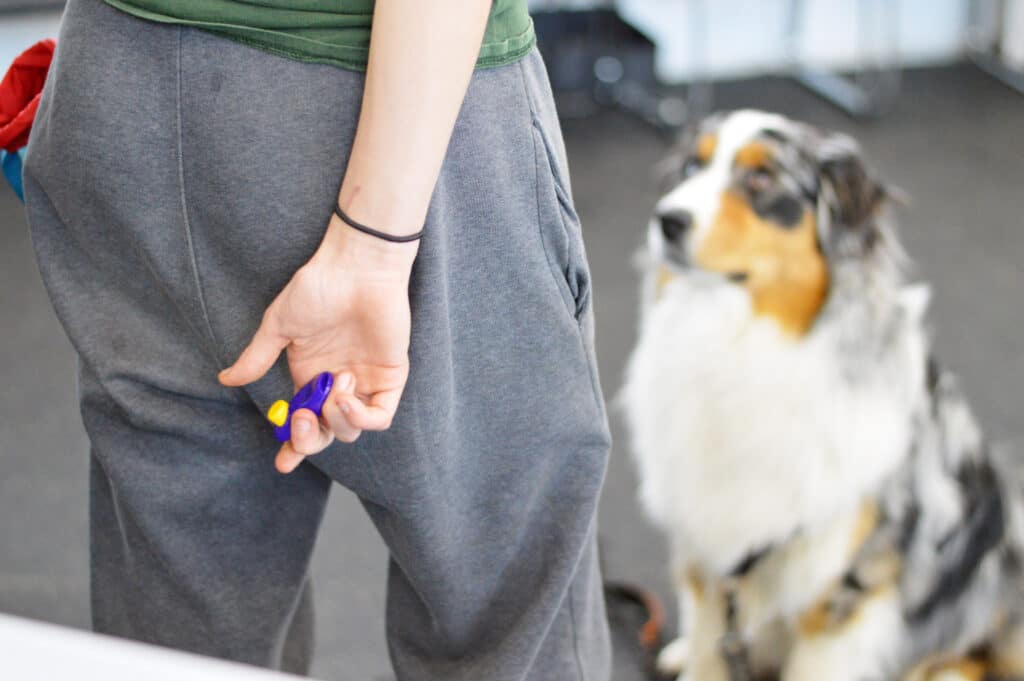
(673, 657)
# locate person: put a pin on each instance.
(217, 193)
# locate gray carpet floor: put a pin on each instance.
(953, 143)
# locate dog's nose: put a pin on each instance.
(675, 224)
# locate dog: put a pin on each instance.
(832, 509)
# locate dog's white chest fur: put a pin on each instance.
(745, 436)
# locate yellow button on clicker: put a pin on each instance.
(278, 413)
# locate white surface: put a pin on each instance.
(33, 651)
(746, 37)
(20, 31)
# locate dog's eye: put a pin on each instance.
(691, 166)
(760, 179)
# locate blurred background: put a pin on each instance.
(931, 88)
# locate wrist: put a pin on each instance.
(366, 229)
(346, 247)
(387, 207)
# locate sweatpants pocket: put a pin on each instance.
(560, 228)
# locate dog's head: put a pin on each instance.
(770, 205)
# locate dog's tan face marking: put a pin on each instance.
(705, 147)
(745, 205)
(753, 156)
(782, 268)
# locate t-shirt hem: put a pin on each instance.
(349, 57)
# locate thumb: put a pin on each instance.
(257, 358)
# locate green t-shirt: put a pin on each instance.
(326, 31)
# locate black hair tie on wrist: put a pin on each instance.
(394, 238)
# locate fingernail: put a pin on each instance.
(301, 427)
(344, 406)
(345, 383)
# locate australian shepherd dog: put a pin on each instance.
(832, 509)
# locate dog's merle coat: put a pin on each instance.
(934, 573)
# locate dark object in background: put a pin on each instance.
(636, 618)
(573, 42)
(596, 59)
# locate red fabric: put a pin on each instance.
(19, 94)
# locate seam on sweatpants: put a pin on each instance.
(575, 628)
(590, 540)
(592, 369)
(193, 263)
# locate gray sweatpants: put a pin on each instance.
(174, 182)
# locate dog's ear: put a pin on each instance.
(858, 197)
(854, 195)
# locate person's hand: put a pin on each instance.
(345, 311)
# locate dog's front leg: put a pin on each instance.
(706, 660)
(674, 657)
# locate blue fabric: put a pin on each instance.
(12, 169)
